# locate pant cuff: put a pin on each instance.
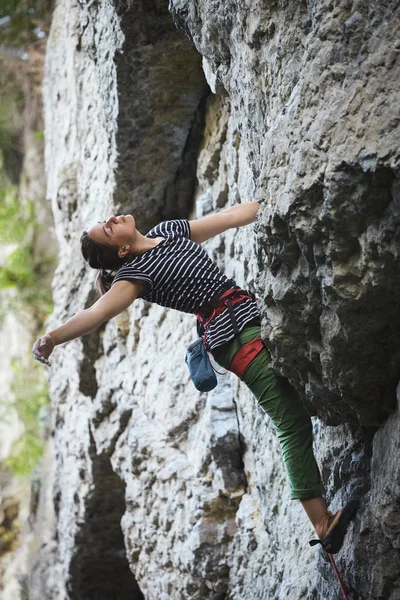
(299, 494)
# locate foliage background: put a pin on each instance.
(25, 273)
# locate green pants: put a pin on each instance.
(290, 418)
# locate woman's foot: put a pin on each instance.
(332, 529)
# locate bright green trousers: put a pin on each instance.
(290, 418)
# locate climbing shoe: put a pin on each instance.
(337, 527)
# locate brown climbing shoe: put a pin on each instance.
(337, 527)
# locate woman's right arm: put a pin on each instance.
(117, 299)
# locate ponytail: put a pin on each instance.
(103, 257)
(104, 280)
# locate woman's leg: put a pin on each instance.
(292, 424)
(318, 513)
(294, 430)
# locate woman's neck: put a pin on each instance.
(143, 243)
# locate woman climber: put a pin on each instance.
(169, 266)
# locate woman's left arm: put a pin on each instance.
(207, 227)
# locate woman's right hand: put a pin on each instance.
(117, 299)
(42, 349)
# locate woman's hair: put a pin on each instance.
(103, 257)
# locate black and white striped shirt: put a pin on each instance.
(181, 275)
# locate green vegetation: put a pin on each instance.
(12, 101)
(22, 21)
(24, 587)
(22, 291)
(30, 392)
(13, 221)
(24, 274)
(21, 270)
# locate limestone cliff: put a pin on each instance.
(160, 492)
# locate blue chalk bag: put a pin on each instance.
(200, 367)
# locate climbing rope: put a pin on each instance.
(338, 576)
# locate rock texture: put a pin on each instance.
(314, 89)
(160, 492)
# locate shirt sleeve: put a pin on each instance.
(170, 229)
(129, 273)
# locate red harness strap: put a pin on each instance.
(232, 295)
(248, 351)
(245, 355)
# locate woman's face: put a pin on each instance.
(117, 231)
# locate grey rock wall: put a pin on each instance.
(158, 491)
(314, 90)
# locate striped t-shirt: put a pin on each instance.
(181, 275)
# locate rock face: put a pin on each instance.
(161, 492)
(314, 90)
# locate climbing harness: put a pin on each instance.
(230, 295)
(202, 371)
(245, 355)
